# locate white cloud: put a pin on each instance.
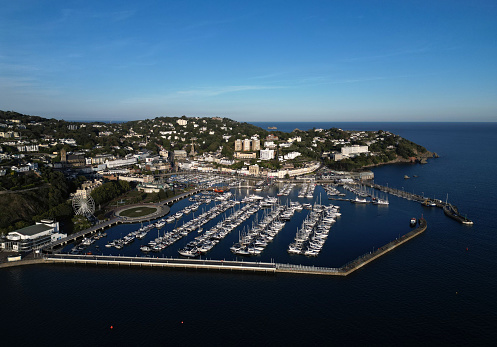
(196, 93)
(214, 91)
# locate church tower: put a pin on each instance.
(63, 156)
(192, 152)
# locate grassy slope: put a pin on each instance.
(19, 206)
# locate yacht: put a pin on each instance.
(189, 253)
(358, 200)
(381, 202)
(145, 248)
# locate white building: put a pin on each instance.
(226, 162)
(240, 155)
(291, 155)
(182, 121)
(27, 148)
(120, 162)
(256, 144)
(179, 154)
(246, 144)
(295, 139)
(238, 145)
(354, 149)
(266, 154)
(32, 237)
(25, 168)
(99, 159)
(269, 144)
(70, 142)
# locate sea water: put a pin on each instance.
(438, 288)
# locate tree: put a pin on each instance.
(80, 223)
(162, 195)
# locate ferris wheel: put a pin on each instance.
(83, 204)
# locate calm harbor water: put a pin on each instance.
(439, 288)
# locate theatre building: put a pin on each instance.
(32, 237)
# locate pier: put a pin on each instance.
(449, 209)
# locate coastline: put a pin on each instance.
(420, 159)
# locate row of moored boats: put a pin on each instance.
(310, 238)
(206, 241)
(255, 240)
(286, 189)
(307, 190)
(196, 223)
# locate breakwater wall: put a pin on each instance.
(356, 264)
(22, 262)
(121, 261)
(449, 209)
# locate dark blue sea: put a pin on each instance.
(438, 289)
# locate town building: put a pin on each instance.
(99, 159)
(291, 155)
(27, 148)
(246, 145)
(269, 144)
(254, 170)
(238, 145)
(336, 156)
(73, 160)
(25, 168)
(256, 144)
(153, 187)
(266, 154)
(240, 155)
(353, 150)
(120, 162)
(179, 154)
(9, 134)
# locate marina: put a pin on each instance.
(222, 265)
(225, 213)
(243, 222)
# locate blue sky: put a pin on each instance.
(250, 60)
